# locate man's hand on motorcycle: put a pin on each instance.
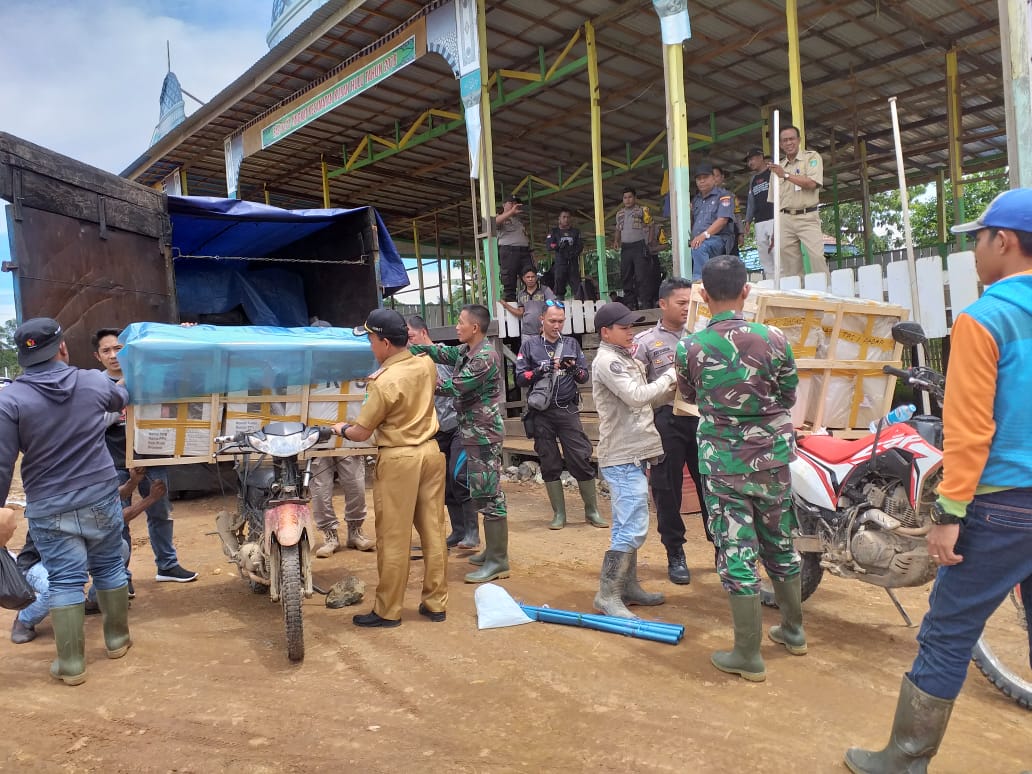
(942, 539)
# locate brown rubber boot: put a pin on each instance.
(612, 583)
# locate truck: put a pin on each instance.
(94, 250)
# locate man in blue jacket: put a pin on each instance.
(54, 416)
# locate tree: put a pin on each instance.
(8, 350)
(924, 216)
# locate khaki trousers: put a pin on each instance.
(803, 230)
(409, 491)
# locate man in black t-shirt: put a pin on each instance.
(760, 211)
(159, 515)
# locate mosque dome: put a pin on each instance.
(287, 16)
(173, 111)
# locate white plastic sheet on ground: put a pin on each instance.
(496, 609)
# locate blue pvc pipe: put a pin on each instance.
(656, 631)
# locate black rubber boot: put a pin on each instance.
(917, 731)
(789, 596)
(68, 623)
(557, 499)
(677, 566)
(616, 566)
(496, 555)
(114, 605)
(745, 659)
(458, 526)
(633, 593)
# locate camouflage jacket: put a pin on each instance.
(476, 386)
(743, 377)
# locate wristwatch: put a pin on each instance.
(344, 431)
(706, 234)
(940, 517)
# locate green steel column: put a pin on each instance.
(676, 30)
(596, 160)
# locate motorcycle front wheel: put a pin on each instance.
(1002, 652)
(810, 578)
(291, 597)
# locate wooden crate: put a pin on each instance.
(840, 346)
(184, 434)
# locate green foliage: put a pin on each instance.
(8, 350)
(924, 218)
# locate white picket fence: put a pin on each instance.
(889, 283)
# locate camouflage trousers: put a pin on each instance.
(483, 477)
(751, 517)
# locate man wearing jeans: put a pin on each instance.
(982, 533)
(628, 441)
(54, 416)
(159, 515)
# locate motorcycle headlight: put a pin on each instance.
(284, 445)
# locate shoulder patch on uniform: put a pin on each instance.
(616, 367)
(725, 199)
(813, 162)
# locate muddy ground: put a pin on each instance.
(207, 685)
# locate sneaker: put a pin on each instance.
(175, 574)
(132, 591)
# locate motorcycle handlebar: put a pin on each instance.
(325, 434)
(896, 372)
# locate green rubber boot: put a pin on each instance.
(788, 594)
(68, 623)
(496, 555)
(745, 659)
(917, 731)
(114, 606)
(557, 498)
(589, 494)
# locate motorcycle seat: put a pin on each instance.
(831, 449)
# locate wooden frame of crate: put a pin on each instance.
(219, 404)
(822, 334)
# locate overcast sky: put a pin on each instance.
(83, 78)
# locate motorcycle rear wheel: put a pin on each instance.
(291, 597)
(1002, 652)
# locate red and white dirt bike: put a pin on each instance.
(863, 508)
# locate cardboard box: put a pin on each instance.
(175, 429)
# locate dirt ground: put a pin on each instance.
(207, 685)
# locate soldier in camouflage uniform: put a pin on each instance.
(476, 386)
(743, 378)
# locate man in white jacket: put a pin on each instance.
(628, 441)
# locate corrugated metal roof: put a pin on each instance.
(854, 55)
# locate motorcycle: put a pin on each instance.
(863, 508)
(268, 537)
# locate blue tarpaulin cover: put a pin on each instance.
(209, 226)
(168, 362)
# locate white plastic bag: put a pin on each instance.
(495, 608)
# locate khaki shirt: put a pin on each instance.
(400, 403)
(655, 349)
(793, 197)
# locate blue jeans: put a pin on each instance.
(81, 542)
(38, 578)
(996, 543)
(159, 520)
(712, 247)
(629, 494)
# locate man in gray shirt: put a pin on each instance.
(638, 268)
(513, 246)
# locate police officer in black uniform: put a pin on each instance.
(656, 348)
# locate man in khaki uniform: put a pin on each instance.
(802, 175)
(409, 486)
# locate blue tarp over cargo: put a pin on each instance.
(230, 228)
(168, 362)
